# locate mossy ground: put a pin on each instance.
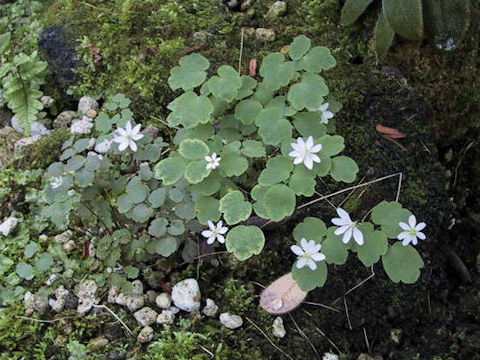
(433, 104)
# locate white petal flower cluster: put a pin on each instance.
(412, 231)
(326, 115)
(213, 161)
(215, 232)
(127, 137)
(347, 227)
(305, 152)
(308, 254)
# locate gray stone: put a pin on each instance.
(86, 296)
(263, 34)
(97, 343)
(151, 295)
(82, 126)
(58, 304)
(186, 295)
(87, 103)
(64, 119)
(231, 321)
(137, 287)
(36, 128)
(113, 293)
(35, 302)
(25, 143)
(278, 9)
(145, 335)
(63, 237)
(210, 308)
(47, 101)
(132, 302)
(165, 317)
(9, 225)
(146, 316)
(163, 301)
(278, 329)
(104, 146)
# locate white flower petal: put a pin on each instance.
(420, 226)
(137, 137)
(316, 148)
(339, 222)
(221, 239)
(318, 256)
(347, 236)
(211, 225)
(211, 240)
(304, 244)
(223, 230)
(297, 250)
(311, 264)
(406, 241)
(341, 230)
(136, 129)
(412, 221)
(404, 226)
(358, 236)
(308, 162)
(295, 153)
(207, 233)
(421, 236)
(301, 263)
(123, 145)
(309, 143)
(298, 160)
(315, 158)
(344, 215)
(403, 235)
(133, 146)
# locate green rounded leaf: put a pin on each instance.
(253, 149)
(170, 170)
(225, 86)
(245, 241)
(190, 110)
(234, 207)
(196, 171)
(207, 208)
(279, 201)
(389, 215)
(402, 263)
(25, 271)
(137, 192)
(193, 149)
(30, 250)
(335, 251)
(157, 197)
(176, 227)
(299, 47)
(141, 213)
(310, 228)
(310, 279)
(318, 59)
(344, 169)
(375, 245)
(331, 145)
(302, 182)
(44, 262)
(278, 169)
(190, 74)
(158, 227)
(308, 93)
(233, 165)
(247, 110)
(166, 246)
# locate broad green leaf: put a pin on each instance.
(144, 172)
(176, 227)
(158, 227)
(402, 263)
(233, 165)
(234, 207)
(30, 250)
(247, 110)
(141, 213)
(276, 71)
(277, 169)
(193, 149)
(405, 17)
(190, 110)
(302, 181)
(176, 195)
(335, 251)
(190, 73)
(352, 10)
(331, 145)
(170, 170)
(226, 85)
(279, 201)
(389, 215)
(84, 178)
(137, 192)
(323, 167)
(5, 264)
(258, 192)
(248, 85)
(207, 208)
(44, 262)
(383, 37)
(308, 124)
(24, 270)
(375, 245)
(308, 93)
(122, 236)
(344, 169)
(299, 47)
(310, 228)
(309, 279)
(276, 133)
(245, 241)
(253, 149)
(157, 197)
(318, 59)
(131, 271)
(208, 186)
(166, 246)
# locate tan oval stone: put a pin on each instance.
(282, 296)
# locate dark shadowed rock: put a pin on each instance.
(59, 51)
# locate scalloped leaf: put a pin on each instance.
(245, 241)
(309, 280)
(226, 85)
(402, 263)
(308, 93)
(344, 169)
(190, 73)
(234, 207)
(170, 170)
(310, 228)
(207, 208)
(279, 202)
(190, 110)
(375, 245)
(389, 214)
(193, 149)
(277, 170)
(299, 47)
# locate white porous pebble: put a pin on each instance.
(231, 321)
(132, 302)
(145, 316)
(329, 356)
(35, 302)
(64, 237)
(174, 309)
(186, 295)
(103, 147)
(165, 317)
(86, 296)
(145, 335)
(164, 300)
(112, 294)
(9, 225)
(278, 329)
(82, 126)
(87, 103)
(211, 308)
(58, 304)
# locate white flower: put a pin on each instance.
(326, 115)
(308, 254)
(347, 227)
(304, 152)
(215, 232)
(127, 137)
(56, 182)
(103, 147)
(412, 231)
(213, 161)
